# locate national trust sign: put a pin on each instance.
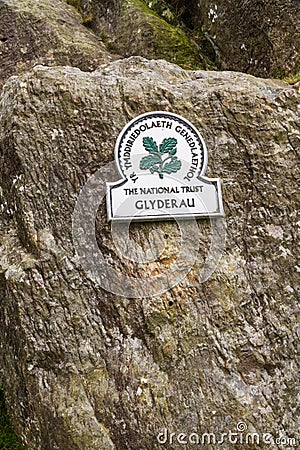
(162, 159)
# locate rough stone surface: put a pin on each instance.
(86, 369)
(45, 32)
(129, 28)
(257, 37)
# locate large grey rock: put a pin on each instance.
(87, 369)
(45, 32)
(261, 38)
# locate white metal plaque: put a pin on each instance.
(162, 160)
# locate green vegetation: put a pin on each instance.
(292, 79)
(164, 10)
(164, 32)
(169, 42)
(201, 54)
(8, 439)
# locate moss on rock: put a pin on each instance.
(163, 10)
(133, 29)
(292, 79)
(8, 439)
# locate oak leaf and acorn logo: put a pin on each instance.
(161, 159)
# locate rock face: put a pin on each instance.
(261, 38)
(131, 28)
(88, 369)
(45, 32)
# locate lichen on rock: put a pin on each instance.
(88, 369)
(46, 32)
(84, 368)
(261, 38)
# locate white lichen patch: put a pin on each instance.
(285, 252)
(139, 391)
(275, 231)
(55, 133)
(15, 273)
(212, 13)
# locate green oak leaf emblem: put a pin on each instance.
(161, 159)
